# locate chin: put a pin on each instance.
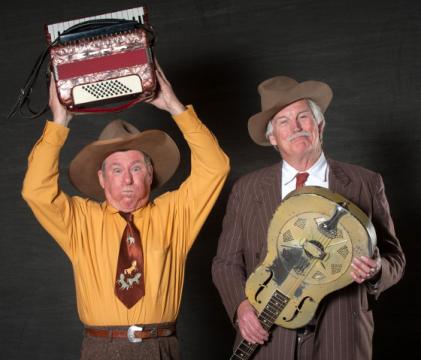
(301, 141)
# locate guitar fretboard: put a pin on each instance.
(267, 318)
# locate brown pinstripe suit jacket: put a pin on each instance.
(345, 325)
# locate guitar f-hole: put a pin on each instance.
(263, 286)
(298, 308)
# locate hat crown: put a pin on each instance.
(271, 90)
(118, 129)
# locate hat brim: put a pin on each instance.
(165, 155)
(317, 91)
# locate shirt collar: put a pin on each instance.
(108, 207)
(318, 170)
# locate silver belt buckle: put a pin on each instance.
(131, 334)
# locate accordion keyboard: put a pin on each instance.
(137, 14)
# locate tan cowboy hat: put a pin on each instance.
(121, 135)
(280, 91)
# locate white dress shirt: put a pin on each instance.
(318, 175)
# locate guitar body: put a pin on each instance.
(312, 238)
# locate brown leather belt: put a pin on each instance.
(134, 333)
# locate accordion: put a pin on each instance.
(101, 63)
(102, 60)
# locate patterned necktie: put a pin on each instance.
(130, 286)
(301, 178)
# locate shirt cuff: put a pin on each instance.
(55, 134)
(187, 120)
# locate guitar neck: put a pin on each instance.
(267, 318)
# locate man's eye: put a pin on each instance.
(281, 121)
(116, 170)
(136, 169)
(304, 116)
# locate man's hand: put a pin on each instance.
(60, 114)
(166, 98)
(250, 327)
(366, 268)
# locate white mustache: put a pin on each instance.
(298, 134)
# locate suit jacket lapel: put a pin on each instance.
(269, 194)
(339, 181)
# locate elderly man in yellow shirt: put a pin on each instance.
(128, 253)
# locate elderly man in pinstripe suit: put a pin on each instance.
(292, 121)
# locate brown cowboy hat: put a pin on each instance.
(280, 91)
(120, 135)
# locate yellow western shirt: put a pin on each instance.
(90, 232)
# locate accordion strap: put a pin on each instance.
(109, 109)
(96, 23)
(92, 28)
(22, 104)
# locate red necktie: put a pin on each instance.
(301, 178)
(130, 285)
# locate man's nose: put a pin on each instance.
(297, 124)
(128, 178)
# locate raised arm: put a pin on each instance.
(209, 164)
(41, 188)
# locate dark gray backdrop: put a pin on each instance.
(215, 53)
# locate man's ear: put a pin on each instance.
(272, 140)
(101, 178)
(321, 127)
(150, 177)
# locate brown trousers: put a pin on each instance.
(99, 348)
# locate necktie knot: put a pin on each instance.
(301, 178)
(127, 216)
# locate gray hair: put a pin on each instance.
(317, 114)
(147, 158)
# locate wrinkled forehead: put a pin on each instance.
(125, 155)
(293, 108)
